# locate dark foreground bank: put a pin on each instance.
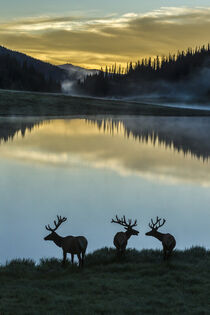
(140, 283)
(44, 104)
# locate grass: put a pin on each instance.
(46, 104)
(139, 283)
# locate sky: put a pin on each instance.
(93, 34)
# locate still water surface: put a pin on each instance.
(89, 170)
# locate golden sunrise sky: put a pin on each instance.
(92, 33)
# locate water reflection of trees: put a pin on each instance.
(9, 128)
(189, 135)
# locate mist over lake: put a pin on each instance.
(91, 169)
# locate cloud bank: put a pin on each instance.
(95, 42)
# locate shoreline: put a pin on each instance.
(32, 104)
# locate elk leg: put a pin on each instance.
(72, 258)
(83, 258)
(64, 258)
(80, 260)
(164, 254)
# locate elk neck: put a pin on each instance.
(158, 235)
(57, 239)
(128, 233)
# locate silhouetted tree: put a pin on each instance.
(139, 77)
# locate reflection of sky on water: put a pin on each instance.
(72, 168)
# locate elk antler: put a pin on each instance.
(57, 224)
(123, 222)
(157, 224)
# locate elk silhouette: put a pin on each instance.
(121, 238)
(69, 244)
(168, 241)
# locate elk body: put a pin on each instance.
(121, 238)
(75, 245)
(168, 241)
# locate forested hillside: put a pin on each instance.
(21, 72)
(186, 72)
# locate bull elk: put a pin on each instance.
(75, 245)
(121, 238)
(168, 241)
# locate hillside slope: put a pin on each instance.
(141, 283)
(45, 68)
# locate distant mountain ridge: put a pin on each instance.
(47, 69)
(22, 72)
(76, 72)
(60, 72)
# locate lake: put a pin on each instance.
(90, 169)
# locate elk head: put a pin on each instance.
(155, 226)
(51, 236)
(128, 226)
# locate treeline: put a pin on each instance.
(144, 75)
(18, 75)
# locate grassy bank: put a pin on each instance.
(141, 283)
(43, 104)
